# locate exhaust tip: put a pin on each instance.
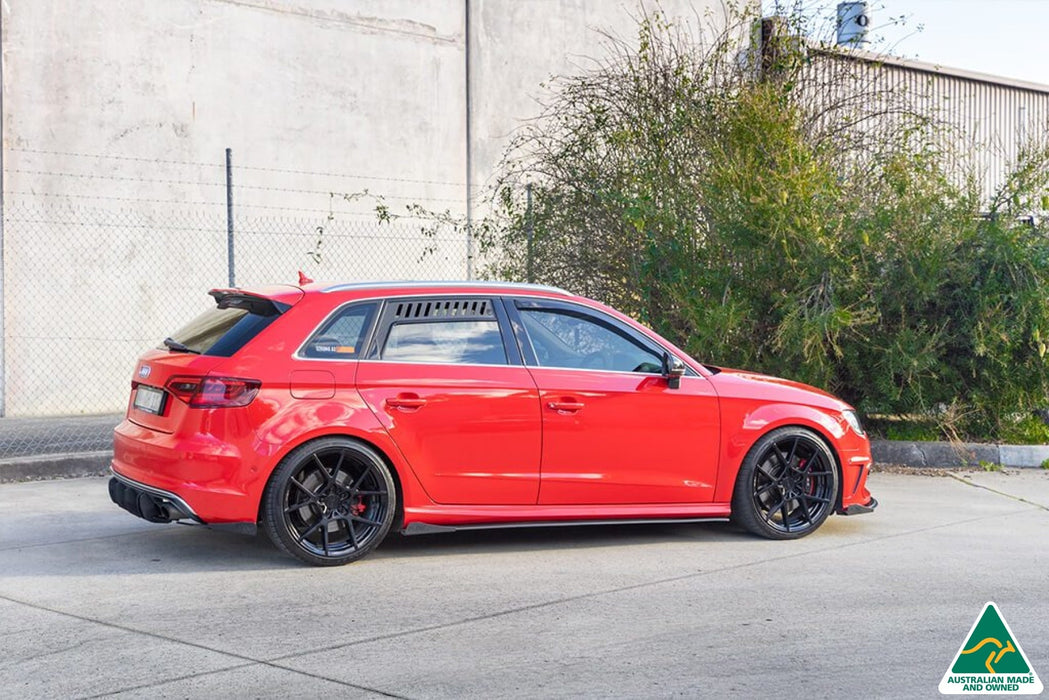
(151, 509)
(143, 505)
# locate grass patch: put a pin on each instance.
(902, 428)
(1025, 429)
(1028, 430)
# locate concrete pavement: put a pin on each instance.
(94, 603)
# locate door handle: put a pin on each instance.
(406, 402)
(564, 406)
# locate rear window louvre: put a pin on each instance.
(442, 308)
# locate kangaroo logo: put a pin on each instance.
(996, 654)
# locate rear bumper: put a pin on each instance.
(160, 506)
(196, 470)
(148, 502)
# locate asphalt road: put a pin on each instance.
(94, 602)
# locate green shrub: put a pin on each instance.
(732, 213)
(1028, 430)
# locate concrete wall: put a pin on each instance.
(116, 114)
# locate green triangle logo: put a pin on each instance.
(990, 661)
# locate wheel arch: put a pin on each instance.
(765, 420)
(343, 432)
(752, 509)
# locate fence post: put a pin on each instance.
(469, 145)
(530, 228)
(3, 315)
(229, 218)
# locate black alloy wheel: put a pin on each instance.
(787, 485)
(330, 502)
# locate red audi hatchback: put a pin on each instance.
(329, 414)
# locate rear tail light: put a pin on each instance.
(213, 392)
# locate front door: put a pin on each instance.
(614, 431)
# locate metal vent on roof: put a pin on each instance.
(443, 308)
(853, 22)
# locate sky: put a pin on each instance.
(1000, 37)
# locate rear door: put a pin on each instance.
(614, 432)
(447, 384)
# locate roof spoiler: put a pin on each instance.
(252, 303)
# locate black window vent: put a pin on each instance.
(443, 308)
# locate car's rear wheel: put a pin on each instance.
(786, 486)
(330, 502)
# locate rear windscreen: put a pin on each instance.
(221, 331)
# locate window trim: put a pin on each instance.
(515, 338)
(385, 322)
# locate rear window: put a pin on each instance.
(342, 337)
(220, 331)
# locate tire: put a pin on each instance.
(329, 502)
(787, 485)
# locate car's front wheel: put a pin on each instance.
(786, 486)
(329, 502)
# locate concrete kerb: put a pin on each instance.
(951, 455)
(52, 447)
(55, 466)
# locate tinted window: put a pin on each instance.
(577, 341)
(221, 331)
(446, 341)
(343, 336)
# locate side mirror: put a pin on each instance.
(673, 370)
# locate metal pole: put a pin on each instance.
(469, 150)
(229, 217)
(530, 228)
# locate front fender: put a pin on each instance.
(745, 422)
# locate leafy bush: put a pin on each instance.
(725, 203)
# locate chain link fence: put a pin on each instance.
(94, 274)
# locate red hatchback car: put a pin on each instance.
(329, 414)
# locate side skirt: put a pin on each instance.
(446, 522)
(426, 528)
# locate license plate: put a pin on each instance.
(149, 399)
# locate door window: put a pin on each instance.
(475, 342)
(572, 340)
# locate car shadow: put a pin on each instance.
(171, 548)
(536, 538)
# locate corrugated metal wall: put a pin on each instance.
(986, 118)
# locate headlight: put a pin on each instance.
(853, 420)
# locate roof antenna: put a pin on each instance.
(303, 279)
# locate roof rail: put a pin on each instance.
(349, 286)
